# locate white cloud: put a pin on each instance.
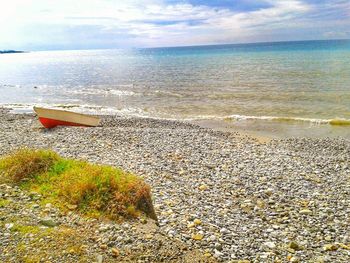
(149, 22)
(337, 34)
(216, 25)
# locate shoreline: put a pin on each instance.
(291, 194)
(264, 129)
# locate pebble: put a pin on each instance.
(115, 252)
(294, 245)
(212, 238)
(269, 245)
(224, 231)
(218, 254)
(305, 212)
(197, 237)
(149, 236)
(330, 247)
(99, 258)
(197, 222)
(294, 259)
(328, 238)
(9, 226)
(203, 187)
(292, 190)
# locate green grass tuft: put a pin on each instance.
(4, 202)
(95, 190)
(25, 229)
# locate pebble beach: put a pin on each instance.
(219, 196)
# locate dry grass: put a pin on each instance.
(94, 189)
(25, 163)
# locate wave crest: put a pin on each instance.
(335, 121)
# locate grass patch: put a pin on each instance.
(94, 189)
(25, 164)
(25, 229)
(4, 202)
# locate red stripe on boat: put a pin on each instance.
(51, 123)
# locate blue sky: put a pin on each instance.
(90, 24)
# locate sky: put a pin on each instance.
(99, 24)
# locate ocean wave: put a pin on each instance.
(82, 108)
(335, 121)
(164, 93)
(98, 91)
(144, 113)
(9, 86)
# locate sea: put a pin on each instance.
(279, 89)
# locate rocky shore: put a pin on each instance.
(218, 196)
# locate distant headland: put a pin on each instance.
(10, 51)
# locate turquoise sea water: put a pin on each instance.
(284, 88)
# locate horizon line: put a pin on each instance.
(185, 46)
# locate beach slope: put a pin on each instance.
(219, 195)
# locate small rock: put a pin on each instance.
(197, 237)
(103, 246)
(218, 246)
(294, 245)
(305, 212)
(212, 238)
(218, 254)
(224, 231)
(115, 252)
(72, 207)
(265, 255)
(197, 222)
(330, 247)
(203, 187)
(190, 225)
(269, 246)
(9, 226)
(149, 236)
(48, 222)
(320, 259)
(269, 191)
(328, 238)
(103, 228)
(128, 240)
(294, 259)
(99, 258)
(347, 247)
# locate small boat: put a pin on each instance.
(51, 118)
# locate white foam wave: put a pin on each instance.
(277, 118)
(167, 93)
(138, 112)
(237, 117)
(101, 91)
(83, 108)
